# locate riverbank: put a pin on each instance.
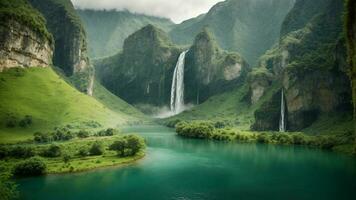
(205, 130)
(77, 155)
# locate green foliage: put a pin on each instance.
(107, 29)
(107, 132)
(22, 12)
(119, 146)
(96, 149)
(134, 144)
(26, 121)
(195, 129)
(30, 167)
(83, 134)
(8, 188)
(52, 151)
(50, 101)
(21, 152)
(83, 152)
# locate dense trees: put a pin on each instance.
(127, 146)
(30, 167)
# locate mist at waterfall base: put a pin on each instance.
(165, 111)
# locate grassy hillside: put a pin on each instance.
(51, 102)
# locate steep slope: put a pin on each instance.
(210, 70)
(107, 29)
(70, 41)
(24, 39)
(249, 27)
(309, 63)
(351, 41)
(142, 73)
(51, 102)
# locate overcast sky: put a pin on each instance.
(176, 10)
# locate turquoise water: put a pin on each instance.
(182, 169)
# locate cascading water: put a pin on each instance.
(177, 90)
(282, 121)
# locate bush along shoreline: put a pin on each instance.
(65, 152)
(211, 131)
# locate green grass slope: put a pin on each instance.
(52, 102)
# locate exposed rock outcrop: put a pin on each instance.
(211, 70)
(70, 40)
(143, 72)
(24, 42)
(309, 64)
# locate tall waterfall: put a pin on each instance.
(177, 90)
(282, 121)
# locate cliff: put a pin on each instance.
(24, 39)
(309, 63)
(143, 72)
(351, 41)
(210, 70)
(70, 41)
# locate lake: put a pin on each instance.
(183, 169)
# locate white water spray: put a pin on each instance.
(282, 121)
(177, 90)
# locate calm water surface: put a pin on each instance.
(182, 169)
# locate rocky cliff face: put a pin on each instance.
(24, 42)
(351, 41)
(210, 70)
(143, 72)
(309, 64)
(249, 27)
(70, 40)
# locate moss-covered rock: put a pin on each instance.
(351, 41)
(210, 70)
(310, 63)
(143, 72)
(24, 39)
(70, 40)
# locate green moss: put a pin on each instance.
(22, 12)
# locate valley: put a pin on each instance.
(247, 97)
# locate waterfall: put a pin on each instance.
(282, 121)
(177, 90)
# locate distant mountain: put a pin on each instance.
(107, 29)
(249, 27)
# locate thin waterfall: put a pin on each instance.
(177, 90)
(282, 121)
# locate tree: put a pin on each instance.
(134, 144)
(83, 152)
(22, 152)
(26, 121)
(52, 151)
(83, 134)
(30, 167)
(96, 149)
(8, 189)
(119, 146)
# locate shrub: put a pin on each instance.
(52, 151)
(298, 139)
(195, 129)
(30, 167)
(4, 151)
(26, 121)
(134, 144)
(263, 138)
(83, 134)
(327, 142)
(119, 146)
(83, 152)
(107, 132)
(66, 158)
(42, 137)
(22, 152)
(62, 134)
(8, 188)
(11, 122)
(283, 138)
(96, 149)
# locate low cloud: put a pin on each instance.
(176, 10)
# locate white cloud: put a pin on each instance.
(177, 10)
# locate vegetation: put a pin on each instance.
(30, 167)
(75, 155)
(207, 130)
(22, 12)
(8, 188)
(40, 100)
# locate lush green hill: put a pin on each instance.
(52, 102)
(107, 29)
(249, 27)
